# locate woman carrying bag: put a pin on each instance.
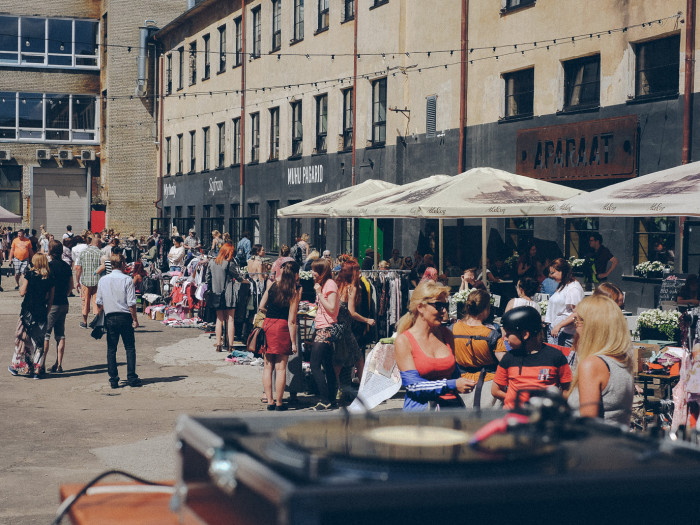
(280, 300)
(222, 292)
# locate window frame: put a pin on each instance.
(298, 21)
(297, 129)
(571, 71)
(522, 4)
(577, 231)
(321, 123)
(430, 116)
(518, 77)
(206, 148)
(254, 137)
(348, 10)
(168, 155)
(169, 74)
(192, 51)
(15, 190)
(222, 48)
(276, 25)
(239, 42)
(257, 33)
(221, 154)
(653, 232)
(236, 141)
(180, 153)
(273, 225)
(323, 16)
(207, 59)
(378, 125)
(672, 65)
(348, 109)
(193, 151)
(274, 133)
(181, 68)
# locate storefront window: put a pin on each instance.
(11, 188)
(320, 233)
(273, 225)
(519, 233)
(648, 232)
(577, 235)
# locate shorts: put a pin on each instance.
(322, 335)
(56, 321)
(20, 266)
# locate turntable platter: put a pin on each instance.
(417, 436)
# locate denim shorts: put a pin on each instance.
(56, 321)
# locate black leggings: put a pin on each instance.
(322, 355)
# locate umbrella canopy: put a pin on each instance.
(394, 202)
(674, 191)
(8, 216)
(321, 206)
(482, 192)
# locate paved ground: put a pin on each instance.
(70, 427)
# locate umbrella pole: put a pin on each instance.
(440, 239)
(376, 264)
(483, 251)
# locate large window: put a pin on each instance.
(193, 63)
(239, 43)
(578, 231)
(236, 141)
(323, 14)
(206, 136)
(221, 150)
(297, 129)
(582, 82)
(347, 118)
(520, 90)
(254, 221)
(222, 49)
(255, 137)
(11, 188)
(180, 160)
(519, 233)
(657, 67)
(49, 42)
(276, 27)
(207, 61)
(298, 20)
(348, 14)
(320, 234)
(274, 133)
(321, 123)
(48, 117)
(168, 155)
(180, 67)
(649, 231)
(273, 225)
(379, 112)
(257, 39)
(169, 74)
(193, 151)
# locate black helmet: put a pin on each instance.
(522, 319)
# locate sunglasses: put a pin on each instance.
(440, 305)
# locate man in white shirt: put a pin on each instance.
(176, 255)
(117, 298)
(69, 232)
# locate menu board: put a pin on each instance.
(670, 287)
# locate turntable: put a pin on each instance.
(395, 467)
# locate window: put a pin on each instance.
(582, 82)
(276, 29)
(193, 63)
(274, 133)
(180, 67)
(256, 33)
(105, 38)
(514, 4)
(348, 14)
(49, 42)
(520, 90)
(193, 151)
(254, 137)
(254, 221)
(577, 234)
(179, 154)
(207, 62)
(207, 139)
(11, 188)
(190, 212)
(657, 67)
(236, 141)
(294, 225)
(321, 123)
(323, 15)
(168, 156)
(273, 225)
(239, 43)
(347, 118)
(46, 117)
(346, 229)
(379, 112)
(178, 212)
(220, 211)
(298, 20)
(235, 224)
(222, 49)
(430, 115)
(320, 233)
(649, 231)
(377, 3)
(169, 74)
(222, 145)
(519, 233)
(297, 129)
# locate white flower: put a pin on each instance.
(543, 306)
(666, 322)
(576, 263)
(305, 275)
(460, 297)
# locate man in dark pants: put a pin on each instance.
(116, 297)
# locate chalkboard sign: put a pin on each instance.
(670, 287)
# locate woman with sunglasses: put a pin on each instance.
(425, 352)
(603, 384)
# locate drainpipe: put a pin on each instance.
(241, 178)
(463, 86)
(160, 157)
(144, 30)
(688, 99)
(354, 119)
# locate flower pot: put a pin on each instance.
(654, 275)
(654, 334)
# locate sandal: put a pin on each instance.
(263, 399)
(271, 407)
(219, 348)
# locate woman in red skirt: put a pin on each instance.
(281, 300)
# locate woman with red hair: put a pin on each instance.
(221, 280)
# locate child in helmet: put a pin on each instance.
(530, 364)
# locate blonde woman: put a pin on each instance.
(304, 245)
(217, 242)
(603, 385)
(425, 352)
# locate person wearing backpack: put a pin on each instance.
(243, 250)
(478, 348)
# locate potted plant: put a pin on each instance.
(577, 265)
(659, 325)
(650, 269)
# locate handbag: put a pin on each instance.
(256, 340)
(335, 332)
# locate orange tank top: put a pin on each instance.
(431, 368)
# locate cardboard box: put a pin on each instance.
(160, 316)
(642, 351)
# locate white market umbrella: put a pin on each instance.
(8, 216)
(321, 206)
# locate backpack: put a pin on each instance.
(241, 259)
(296, 253)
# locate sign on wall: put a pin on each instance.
(305, 174)
(594, 149)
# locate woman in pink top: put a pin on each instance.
(327, 306)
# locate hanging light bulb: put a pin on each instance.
(27, 43)
(62, 47)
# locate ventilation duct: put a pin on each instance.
(145, 31)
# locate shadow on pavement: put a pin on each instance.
(171, 379)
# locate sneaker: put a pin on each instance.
(17, 287)
(318, 407)
(114, 385)
(83, 325)
(37, 376)
(280, 408)
(12, 371)
(135, 383)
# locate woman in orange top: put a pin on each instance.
(478, 348)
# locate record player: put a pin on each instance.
(395, 467)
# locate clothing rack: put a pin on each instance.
(386, 271)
